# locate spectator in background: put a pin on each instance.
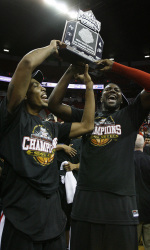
(71, 159)
(142, 182)
(146, 147)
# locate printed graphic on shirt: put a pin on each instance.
(135, 213)
(105, 131)
(40, 145)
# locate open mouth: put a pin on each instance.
(44, 97)
(112, 97)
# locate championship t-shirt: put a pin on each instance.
(107, 162)
(30, 178)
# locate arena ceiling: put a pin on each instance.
(28, 24)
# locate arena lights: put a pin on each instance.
(6, 50)
(51, 2)
(63, 8)
(73, 14)
(52, 84)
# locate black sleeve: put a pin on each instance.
(63, 132)
(6, 118)
(76, 114)
(137, 113)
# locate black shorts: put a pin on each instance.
(92, 236)
(13, 239)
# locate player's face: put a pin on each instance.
(36, 95)
(111, 97)
(147, 142)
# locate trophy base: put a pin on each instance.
(76, 58)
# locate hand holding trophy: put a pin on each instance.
(82, 39)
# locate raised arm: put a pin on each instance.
(55, 99)
(139, 76)
(21, 79)
(87, 123)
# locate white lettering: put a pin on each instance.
(107, 130)
(38, 145)
(54, 143)
(32, 144)
(114, 130)
(118, 128)
(24, 146)
(43, 149)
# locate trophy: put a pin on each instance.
(82, 39)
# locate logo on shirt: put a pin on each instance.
(135, 213)
(40, 145)
(105, 131)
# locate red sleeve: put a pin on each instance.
(139, 76)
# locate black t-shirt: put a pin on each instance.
(146, 149)
(142, 181)
(107, 154)
(30, 178)
(104, 208)
(107, 164)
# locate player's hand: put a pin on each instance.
(69, 150)
(104, 65)
(55, 45)
(70, 166)
(76, 69)
(85, 78)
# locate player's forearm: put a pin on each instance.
(35, 57)
(59, 91)
(139, 76)
(59, 147)
(76, 166)
(89, 107)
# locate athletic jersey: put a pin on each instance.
(107, 166)
(30, 178)
(142, 181)
(104, 207)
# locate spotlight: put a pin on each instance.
(51, 2)
(73, 14)
(62, 7)
(6, 50)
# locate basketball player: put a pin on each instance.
(30, 178)
(104, 214)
